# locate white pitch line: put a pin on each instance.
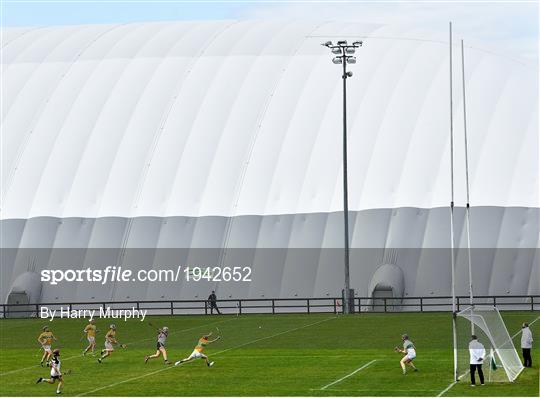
(447, 388)
(285, 356)
(215, 354)
(349, 375)
(371, 390)
(132, 342)
(519, 331)
(275, 335)
(34, 366)
(184, 330)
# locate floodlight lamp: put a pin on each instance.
(349, 74)
(351, 60)
(357, 44)
(337, 60)
(327, 44)
(349, 50)
(336, 50)
(342, 43)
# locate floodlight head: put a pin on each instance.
(357, 43)
(349, 74)
(351, 60)
(336, 50)
(349, 50)
(337, 60)
(342, 43)
(327, 44)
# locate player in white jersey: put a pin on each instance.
(56, 374)
(410, 353)
(160, 346)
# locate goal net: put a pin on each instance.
(502, 362)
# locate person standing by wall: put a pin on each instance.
(526, 345)
(212, 299)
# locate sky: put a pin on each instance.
(507, 26)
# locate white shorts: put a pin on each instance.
(410, 356)
(91, 339)
(46, 348)
(54, 373)
(196, 354)
(109, 346)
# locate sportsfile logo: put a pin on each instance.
(109, 273)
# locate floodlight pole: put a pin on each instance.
(342, 49)
(346, 298)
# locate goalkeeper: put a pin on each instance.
(410, 353)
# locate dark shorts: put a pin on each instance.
(56, 377)
(160, 345)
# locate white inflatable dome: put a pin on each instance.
(228, 135)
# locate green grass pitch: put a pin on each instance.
(279, 355)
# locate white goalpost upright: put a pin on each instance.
(452, 243)
(467, 206)
(484, 321)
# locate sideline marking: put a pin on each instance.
(519, 331)
(215, 354)
(447, 388)
(35, 366)
(349, 375)
(184, 330)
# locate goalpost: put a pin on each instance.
(502, 361)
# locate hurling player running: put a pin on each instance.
(160, 346)
(55, 372)
(45, 339)
(90, 331)
(110, 342)
(198, 351)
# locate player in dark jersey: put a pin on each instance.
(56, 374)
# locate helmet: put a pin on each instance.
(165, 329)
(56, 352)
(45, 328)
(405, 336)
(113, 326)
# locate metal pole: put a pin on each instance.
(346, 304)
(467, 208)
(452, 243)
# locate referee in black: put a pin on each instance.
(212, 301)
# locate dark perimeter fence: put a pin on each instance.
(277, 305)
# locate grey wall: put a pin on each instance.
(291, 255)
